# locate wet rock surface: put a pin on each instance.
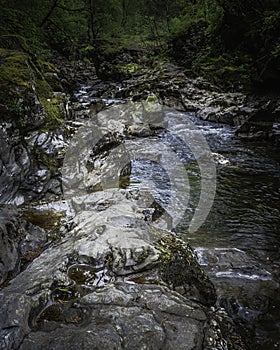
(115, 279)
(250, 302)
(29, 164)
(111, 281)
(19, 240)
(127, 76)
(32, 108)
(257, 117)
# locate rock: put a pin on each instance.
(140, 130)
(73, 74)
(124, 316)
(29, 164)
(29, 101)
(14, 166)
(9, 245)
(17, 238)
(173, 87)
(27, 87)
(116, 63)
(128, 297)
(261, 123)
(245, 288)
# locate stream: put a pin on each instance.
(239, 242)
(219, 193)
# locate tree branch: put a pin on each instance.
(54, 5)
(71, 10)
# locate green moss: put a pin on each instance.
(53, 113)
(50, 161)
(180, 268)
(51, 105)
(170, 246)
(50, 75)
(22, 76)
(15, 106)
(43, 89)
(13, 42)
(176, 261)
(129, 68)
(143, 256)
(15, 77)
(48, 67)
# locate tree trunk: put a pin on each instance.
(48, 15)
(124, 13)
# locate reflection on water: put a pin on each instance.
(239, 242)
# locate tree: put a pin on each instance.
(49, 13)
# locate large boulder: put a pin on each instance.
(113, 281)
(263, 123)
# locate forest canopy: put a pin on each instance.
(236, 39)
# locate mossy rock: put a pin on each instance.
(47, 160)
(48, 67)
(180, 268)
(15, 76)
(25, 88)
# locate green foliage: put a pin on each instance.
(51, 105)
(208, 11)
(223, 69)
(53, 111)
(15, 106)
(129, 68)
(202, 35)
(86, 51)
(232, 43)
(14, 21)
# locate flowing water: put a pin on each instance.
(239, 242)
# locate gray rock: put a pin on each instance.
(122, 294)
(17, 237)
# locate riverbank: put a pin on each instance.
(85, 275)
